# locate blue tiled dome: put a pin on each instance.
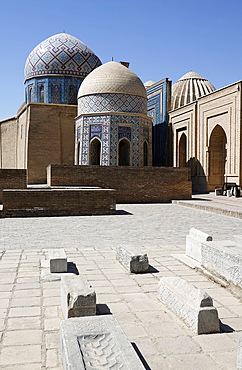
(61, 54)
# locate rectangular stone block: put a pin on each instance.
(239, 357)
(192, 305)
(96, 342)
(58, 260)
(224, 259)
(218, 192)
(78, 297)
(193, 243)
(132, 258)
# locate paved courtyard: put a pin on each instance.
(30, 311)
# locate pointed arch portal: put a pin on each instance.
(124, 153)
(183, 151)
(217, 158)
(95, 152)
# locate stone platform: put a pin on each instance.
(58, 201)
(218, 204)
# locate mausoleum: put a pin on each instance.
(42, 132)
(112, 127)
(206, 131)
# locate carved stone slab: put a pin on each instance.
(192, 305)
(98, 342)
(239, 358)
(238, 239)
(58, 260)
(193, 243)
(78, 297)
(132, 258)
(223, 258)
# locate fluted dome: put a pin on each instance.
(188, 88)
(112, 88)
(112, 77)
(61, 54)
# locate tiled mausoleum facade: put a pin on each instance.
(158, 105)
(55, 69)
(112, 128)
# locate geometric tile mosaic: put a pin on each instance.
(67, 85)
(95, 126)
(116, 121)
(61, 54)
(124, 131)
(95, 103)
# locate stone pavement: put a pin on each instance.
(30, 310)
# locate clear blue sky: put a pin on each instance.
(159, 38)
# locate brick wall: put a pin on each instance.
(132, 184)
(58, 202)
(12, 179)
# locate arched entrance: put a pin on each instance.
(145, 154)
(183, 151)
(124, 153)
(217, 158)
(95, 152)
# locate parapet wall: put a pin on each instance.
(12, 179)
(132, 184)
(58, 202)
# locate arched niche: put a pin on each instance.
(78, 152)
(124, 153)
(217, 157)
(183, 151)
(95, 152)
(145, 153)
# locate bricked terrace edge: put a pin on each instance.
(132, 184)
(58, 202)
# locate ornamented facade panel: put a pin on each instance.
(96, 103)
(95, 126)
(67, 87)
(159, 97)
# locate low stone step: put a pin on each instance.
(96, 342)
(132, 258)
(78, 297)
(192, 305)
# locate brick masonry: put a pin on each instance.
(12, 179)
(132, 184)
(58, 202)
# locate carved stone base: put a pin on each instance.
(132, 258)
(239, 358)
(223, 258)
(78, 298)
(96, 342)
(192, 305)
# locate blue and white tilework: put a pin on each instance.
(135, 141)
(95, 126)
(124, 131)
(61, 54)
(64, 82)
(95, 103)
